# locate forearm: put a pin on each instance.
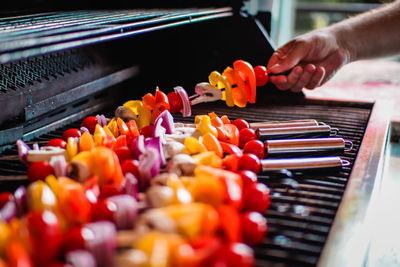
(373, 34)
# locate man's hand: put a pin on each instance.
(311, 58)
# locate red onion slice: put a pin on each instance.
(101, 241)
(9, 211)
(126, 212)
(84, 129)
(158, 130)
(187, 109)
(149, 165)
(23, 149)
(20, 200)
(101, 119)
(131, 185)
(156, 142)
(167, 121)
(80, 258)
(137, 146)
(60, 165)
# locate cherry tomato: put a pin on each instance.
(250, 162)
(246, 135)
(4, 198)
(147, 131)
(57, 142)
(254, 227)
(255, 147)
(109, 190)
(132, 166)
(256, 198)
(45, 234)
(90, 123)
(73, 239)
(39, 170)
(123, 153)
(248, 178)
(103, 210)
(261, 75)
(71, 133)
(235, 255)
(241, 124)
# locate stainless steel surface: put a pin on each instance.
(349, 237)
(311, 131)
(303, 163)
(306, 145)
(283, 124)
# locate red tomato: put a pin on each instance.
(254, 227)
(90, 123)
(4, 198)
(132, 166)
(103, 210)
(256, 198)
(39, 170)
(235, 255)
(255, 147)
(109, 190)
(248, 178)
(250, 162)
(123, 153)
(246, 135)
(57, 142)
(261, 75)
(73, 239)
(45, 235)
(147, 131)
(71, 133)
(241, 124)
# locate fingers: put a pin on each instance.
(288, 56)
(308, 77)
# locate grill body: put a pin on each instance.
(58, 67)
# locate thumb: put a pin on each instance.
(286, 58)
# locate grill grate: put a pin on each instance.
(37, 34)
(303, 207)
(18, 75)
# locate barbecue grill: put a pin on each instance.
(57, 67)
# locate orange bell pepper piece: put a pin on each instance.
(86, 142)
(239, 93)
(244, 68)
(106, 166)
(212, 144)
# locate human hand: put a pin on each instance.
(313, 58)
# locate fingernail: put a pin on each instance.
(274, 67)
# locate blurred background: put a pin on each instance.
(293, 17)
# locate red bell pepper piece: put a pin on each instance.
(230, 223)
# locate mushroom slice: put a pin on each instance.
(45, 153)
(182, 164)
(125, 114)
(205, 92)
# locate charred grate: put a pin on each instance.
(303, 207)
(23, 73)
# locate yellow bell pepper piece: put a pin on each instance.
(182, 195)
(4, 236)
(208, 158)
(222, 82)
(40, 197)
(112, 125)
(193, 146)
(204, 126)
(159, 247)
(72, 148)
(142, 112)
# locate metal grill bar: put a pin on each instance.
(301, 212)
